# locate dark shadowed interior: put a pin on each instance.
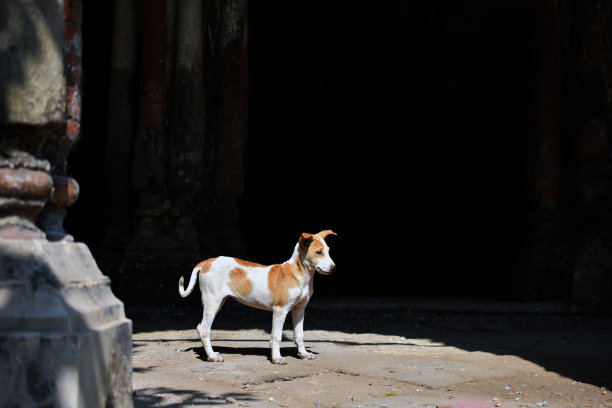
(416, 131)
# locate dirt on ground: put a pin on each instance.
(377, 353)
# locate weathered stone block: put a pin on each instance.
(64, 337)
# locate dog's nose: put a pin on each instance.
(332, 268)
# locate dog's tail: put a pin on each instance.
(192, 281)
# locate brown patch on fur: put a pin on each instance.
(312, 255)
(281, 278)
(316, 245)
(205, 265)
(240, 283)
(247, 263)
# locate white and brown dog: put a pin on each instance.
(280, 288)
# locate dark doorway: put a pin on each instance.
(402, 126)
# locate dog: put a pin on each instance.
(279, 288)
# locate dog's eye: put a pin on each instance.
(320, 252)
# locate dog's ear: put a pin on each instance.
(305, 240)
(325, 234)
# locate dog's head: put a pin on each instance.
(315, 251)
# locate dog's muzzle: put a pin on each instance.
(331, 269)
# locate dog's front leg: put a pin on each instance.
(297, 314)
(278, 319)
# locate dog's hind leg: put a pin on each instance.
(211, 307)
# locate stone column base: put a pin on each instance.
(64, 337)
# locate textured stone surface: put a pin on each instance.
(64, 338)
(33, 86)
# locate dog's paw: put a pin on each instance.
(307, 356)
(279, 360)
(217, 358)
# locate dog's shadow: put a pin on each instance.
(246, 351)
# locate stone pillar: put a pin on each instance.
(66, 189)
(121, 116)
(166, 152)
(230, 143)
(32, 107)
(150, 144)
(592, 264)
(187, 119)
(545, 259)
(64, 338)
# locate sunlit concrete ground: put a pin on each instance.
(378, 352)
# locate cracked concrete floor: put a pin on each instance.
(386, 356)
